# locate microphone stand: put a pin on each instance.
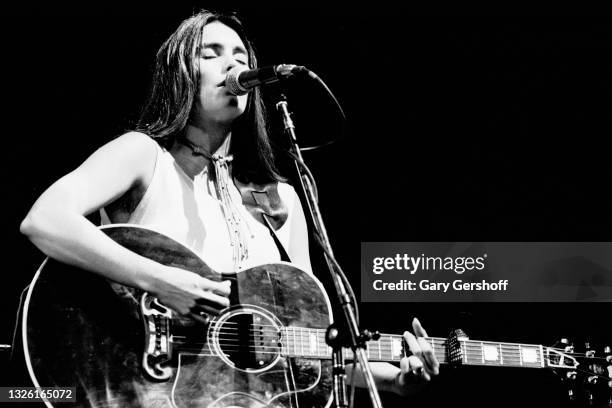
(333, 337)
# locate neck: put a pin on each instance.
(210, 138)
(211, 142)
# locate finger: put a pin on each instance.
(429, 358)
(210, 298)
(417, 368)
(179, 309)
(418, 329)
(405, 365)
(413, 344)
(413, 370)
(206, 308)
(431, 362)
(223, 288)
(200, 317)
(407, 376)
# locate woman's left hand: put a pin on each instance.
(420, 366)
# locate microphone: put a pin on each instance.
(240, 80)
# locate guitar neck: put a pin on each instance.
(310, 343)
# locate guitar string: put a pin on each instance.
(325, 347)
(304, 331)
(253, 345)
(308, 331)
(442, 359)
(476, 358)
(305, 337)
(504, 349)
(274, 335)
(507, 349)
(388, 353)
(392, 357)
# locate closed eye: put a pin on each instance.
(209, 53)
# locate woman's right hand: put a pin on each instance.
(188, 293)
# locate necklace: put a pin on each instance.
(231, 211)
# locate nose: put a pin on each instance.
(230, 63)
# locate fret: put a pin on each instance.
(482, 352)
(396, 348)
(323, 347)
(284, 344)
(465, 356)
(439, 351)
(511, 354)
(379, 350)
(312, 337)
(517, 355)
(299, 343)
(501, 356)
(304, 340)
(541, 356)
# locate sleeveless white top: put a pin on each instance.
(189, 212)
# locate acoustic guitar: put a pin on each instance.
(120, 347)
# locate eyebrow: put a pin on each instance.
(237, 49)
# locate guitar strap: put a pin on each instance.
(281, 249)
(265, 205)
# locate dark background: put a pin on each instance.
(460, 128)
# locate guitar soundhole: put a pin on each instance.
(247, 340)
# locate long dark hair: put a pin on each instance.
(175, 87)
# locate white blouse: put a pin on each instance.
(189, 212)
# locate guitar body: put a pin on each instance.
(119, 348)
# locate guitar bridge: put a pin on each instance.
(158, 344)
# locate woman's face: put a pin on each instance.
(222, 49)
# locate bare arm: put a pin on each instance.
(56, 224)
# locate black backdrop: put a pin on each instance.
(460, 128)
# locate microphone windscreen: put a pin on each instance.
(231, 81)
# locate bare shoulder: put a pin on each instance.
(132, 143)
(120, 165)
(132, 151)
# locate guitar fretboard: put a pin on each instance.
(310, 343)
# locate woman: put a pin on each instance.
(192, 170)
